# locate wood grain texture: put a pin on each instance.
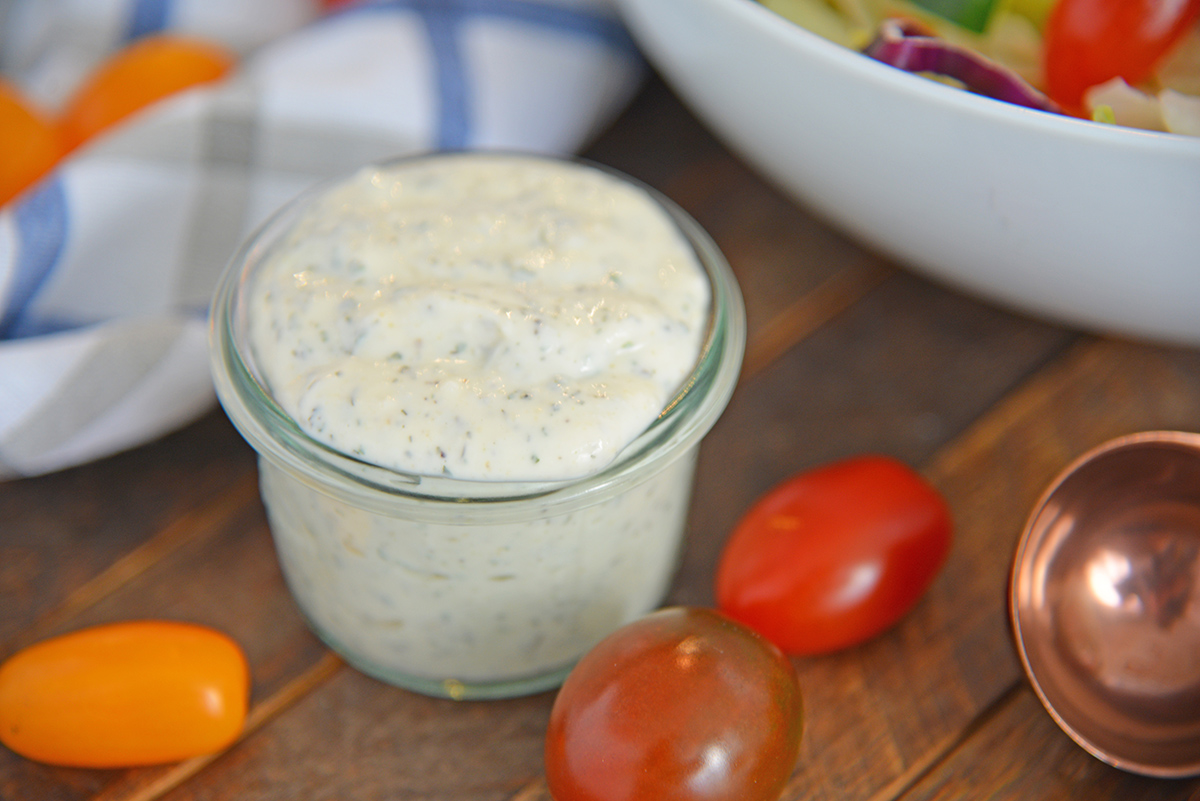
(60, 531)
(901, 373)
(222, 573)
(994, 473)
(1020, 753)
(357, 738)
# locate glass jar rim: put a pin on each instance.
(686, 418)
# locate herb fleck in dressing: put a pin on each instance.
(484, 318)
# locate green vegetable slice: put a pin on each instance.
(970, 14)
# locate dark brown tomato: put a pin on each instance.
(682, 705)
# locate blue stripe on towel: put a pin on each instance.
(41, 219)
(148, 16)
(592, 25)
(454, 115)
(28, 328)
(443, 20)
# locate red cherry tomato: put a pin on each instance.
(681, 705)
(124, 694)
(1091, 41)
(834, 556)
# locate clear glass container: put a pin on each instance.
(473, 589)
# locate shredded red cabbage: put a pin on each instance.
(905, 45)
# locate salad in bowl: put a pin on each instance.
(1130, 62)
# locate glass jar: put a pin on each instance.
(473, 589)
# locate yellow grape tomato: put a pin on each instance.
(124, 694)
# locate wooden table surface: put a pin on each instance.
(847, 354)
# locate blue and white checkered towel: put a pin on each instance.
(107, 266)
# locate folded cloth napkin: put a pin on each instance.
(107, 265)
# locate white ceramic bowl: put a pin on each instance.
(1085, 224)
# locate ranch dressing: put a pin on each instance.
(483, 318)
(483, 335)
(453, 609)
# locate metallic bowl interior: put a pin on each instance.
(1105, 602)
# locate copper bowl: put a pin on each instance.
(1105, 602)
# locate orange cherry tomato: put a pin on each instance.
(125, 694)
(29, 143)
(834, 556)
(681, 705)
(145, 72)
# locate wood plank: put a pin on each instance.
(223, 575)
(994, 474)
(795, 273)
(357, 738)
(654, 138)
(181, 530)
(61, 531)
(150, 784)
(1021, 754)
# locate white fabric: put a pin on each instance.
(107, 265)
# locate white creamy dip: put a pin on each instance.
(496, 329)
(435, 606)
(480, 317)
